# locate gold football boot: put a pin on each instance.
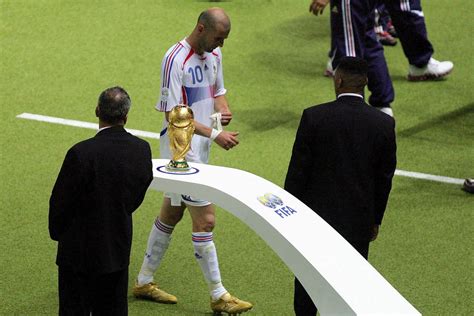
(151, 291)
(230, 304)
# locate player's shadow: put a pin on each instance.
(296, 47)
(261, 120)
(165, 309)
(403, 78)
(457, 120)
(398, 77)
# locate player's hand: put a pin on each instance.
(227, 140)
(317, 6)
(375, 232)
(226, 118)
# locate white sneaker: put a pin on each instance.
(329, 72)
(432, 71)
(387, 110)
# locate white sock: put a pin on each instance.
(387, 110)
(206, 255)
(158, 242)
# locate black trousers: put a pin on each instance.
(92, 294)
(302, 303)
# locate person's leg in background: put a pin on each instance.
(378, 74)
(351, 22)
(409, 21)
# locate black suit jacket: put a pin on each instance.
(102, 181)
(342, 165)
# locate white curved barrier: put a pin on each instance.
(338, 279)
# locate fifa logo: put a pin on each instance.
(274, 202)
(270, 200)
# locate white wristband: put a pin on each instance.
(216, 120)
(214, 133)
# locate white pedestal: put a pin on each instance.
(338, 279)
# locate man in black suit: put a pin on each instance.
(102, 181)
(342, 164)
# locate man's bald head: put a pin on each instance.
(213, 18)
(212, 29)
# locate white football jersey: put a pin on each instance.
(195, 80)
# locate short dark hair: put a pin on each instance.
(353, 70)
(114, 104)
(353, 66)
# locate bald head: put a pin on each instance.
(214, 18)
(212, 29)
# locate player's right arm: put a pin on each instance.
(171, 79)
(317, 6)
(224, 139)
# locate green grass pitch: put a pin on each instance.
(56, 56)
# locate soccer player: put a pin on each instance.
(192, 75)
(352, 34)
(383, 26)
(408, 19)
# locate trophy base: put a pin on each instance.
(178, 166)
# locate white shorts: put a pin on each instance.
(199, 152)
(177, 199)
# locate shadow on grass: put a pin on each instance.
(405, 78)
(455, 116)
(146, 306)
(303, 27)
(398, 77)
(301, 46)
(262, 119)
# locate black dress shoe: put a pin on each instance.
(468, 185)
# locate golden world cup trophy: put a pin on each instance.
(180, 133)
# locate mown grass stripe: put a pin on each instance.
(57, 120)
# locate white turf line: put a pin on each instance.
(57, 120)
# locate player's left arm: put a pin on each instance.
(221, 105)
